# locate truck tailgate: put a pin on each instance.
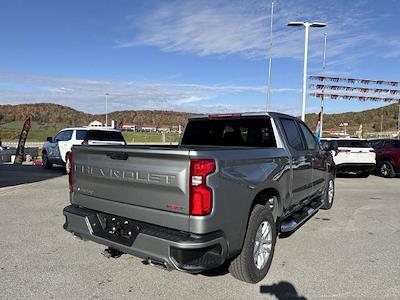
(148, 185)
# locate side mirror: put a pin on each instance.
(49, 139)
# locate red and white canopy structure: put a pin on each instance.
(353, 80)
(343, 88)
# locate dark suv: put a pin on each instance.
(387, 156)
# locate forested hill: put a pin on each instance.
(47, 113)
(370, 119)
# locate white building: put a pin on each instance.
(149, 128)
(164, 129)
(95, 123)
(129, 127)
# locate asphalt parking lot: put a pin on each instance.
(351, 251)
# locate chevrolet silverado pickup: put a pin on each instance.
(221, 197)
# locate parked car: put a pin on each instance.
(56, 150)
(223, 195)
(387, 156)
(354, 156)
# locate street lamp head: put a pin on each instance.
(314, 24)
(317, 24)
(296, 24)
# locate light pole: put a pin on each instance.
(321, 120)
(306, 25)
(270, 59)
(107, 94)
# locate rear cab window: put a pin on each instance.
(239, 132)
(104, 135)
(353, 144)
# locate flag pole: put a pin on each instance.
(398, 122)
(270, 60)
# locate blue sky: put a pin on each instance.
(197, 56)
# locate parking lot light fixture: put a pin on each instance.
(306, 25)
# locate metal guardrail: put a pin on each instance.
(27, 144)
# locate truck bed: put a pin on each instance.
(150, 183)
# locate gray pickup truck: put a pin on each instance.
(221, 197)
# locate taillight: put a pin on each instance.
(224, 116)
(200, 198)
(85, 142)
(71, 172)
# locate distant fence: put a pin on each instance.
(14, 144)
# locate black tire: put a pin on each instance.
(243, 267)
(328, 199)
(45, 161)
(364, 175)
(386, 169)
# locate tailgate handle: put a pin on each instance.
(119, 156)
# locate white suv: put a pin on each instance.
(354, 156)
(56, 150)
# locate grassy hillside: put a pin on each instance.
(38, 132)
(48, 118)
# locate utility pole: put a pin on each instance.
(270, 60)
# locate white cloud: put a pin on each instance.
(242, 27)
(89, 95)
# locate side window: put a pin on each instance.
(81, 135)
(377, 144)
(67, 135)
(59, 136)
(292, 134)
(309, 137)
(396, 144)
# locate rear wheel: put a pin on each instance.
(45, 161)
(386, 169)
(253, 263)
(329, 194)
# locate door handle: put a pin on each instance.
(118, 156)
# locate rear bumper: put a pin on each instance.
(170, 248)
(355, 168)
